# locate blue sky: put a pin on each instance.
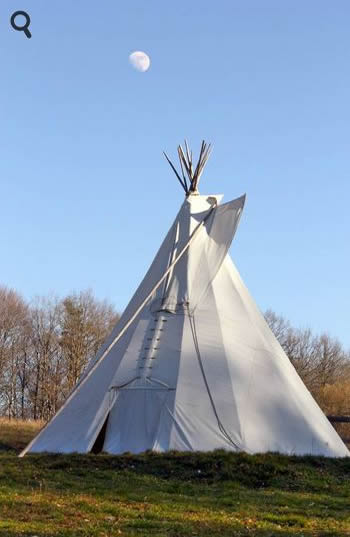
(86, 196)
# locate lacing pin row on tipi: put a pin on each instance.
(152, 346)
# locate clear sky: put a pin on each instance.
(86, 196)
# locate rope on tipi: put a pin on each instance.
(190, 174)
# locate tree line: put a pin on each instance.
(44, 347)
(46, 344)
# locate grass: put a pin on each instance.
(173, 495)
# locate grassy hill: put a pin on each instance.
(174, 495)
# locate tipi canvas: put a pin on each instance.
(192, 364)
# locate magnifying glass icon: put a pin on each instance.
(25, 27)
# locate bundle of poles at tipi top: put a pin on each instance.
(189, 180)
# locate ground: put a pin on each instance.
(170, 495)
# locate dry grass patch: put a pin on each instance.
(16, 434)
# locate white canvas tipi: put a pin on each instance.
(192, 364)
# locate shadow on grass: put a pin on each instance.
(142, 531)
(5, 447)
(252, 471)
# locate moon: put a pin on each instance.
(140, 61)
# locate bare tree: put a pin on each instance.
(321, 361)
(86, 323)
(280, 326)
(13, 323)
(332, 360)
(45, 364)
(44, 348)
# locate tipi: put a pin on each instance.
(192, 364)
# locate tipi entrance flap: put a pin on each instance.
(135, 418)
